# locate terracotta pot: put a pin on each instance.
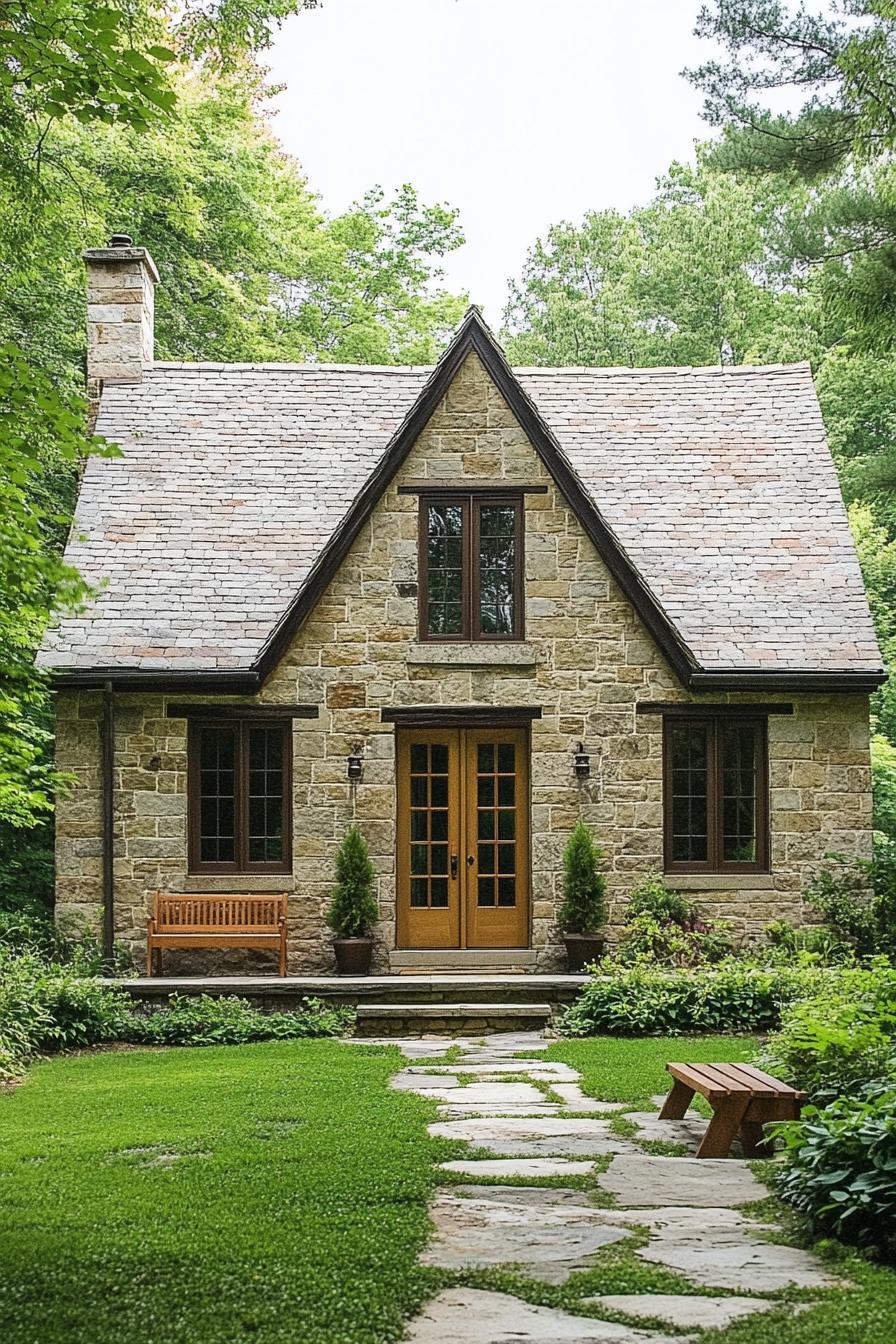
(582, 949)
(353, 955)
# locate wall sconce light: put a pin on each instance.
(355, 763)
(581, 762)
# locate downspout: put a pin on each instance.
(108, 822)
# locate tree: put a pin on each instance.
(136, 114)
(840, 64)
(584, 885)
(353, 910)
(626, 290)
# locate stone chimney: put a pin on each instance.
(121, 281)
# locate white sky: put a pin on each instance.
(520, 112)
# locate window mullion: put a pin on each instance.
(470, 575)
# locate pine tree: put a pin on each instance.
(584, 885)
(353, 909)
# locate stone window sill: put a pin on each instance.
(473, 655)
(720, 882)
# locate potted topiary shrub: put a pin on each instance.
(353, 909)
(583, 911)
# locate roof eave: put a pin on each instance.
(212, 680)
(773, 679)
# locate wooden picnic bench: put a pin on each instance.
(743, 1100)
(215, 921)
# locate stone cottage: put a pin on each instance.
(461, 606)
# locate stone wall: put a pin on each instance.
(586, 662)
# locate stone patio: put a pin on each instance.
(686, 1214)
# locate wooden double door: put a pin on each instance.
(463, 838)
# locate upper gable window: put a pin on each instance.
(471, 566)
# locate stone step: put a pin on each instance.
(456, 1018)
(496, 989)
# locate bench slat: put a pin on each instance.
(759, 1080)
(708, 1079)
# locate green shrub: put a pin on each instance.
(353, 910)
(46, 1005)
(206, 1020)
(647, 1000)
(840, 1171)
(663, 927)
(809, 942)
(840, 1039)
(856, 898)
(583, 909)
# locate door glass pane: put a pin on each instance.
(486, 891)
(507, 891)
(217, 782)
(444, 569)
(429, 855)
(739, 751)
(689, 747)
(496, 785)
(497, 568)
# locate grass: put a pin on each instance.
(632, 1069)
(273, 1192)
(277, 1193)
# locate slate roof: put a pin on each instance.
(718, 484)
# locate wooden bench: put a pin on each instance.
(743, 1100)
(215, 921)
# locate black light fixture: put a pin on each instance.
(581, 762)
(355, 763)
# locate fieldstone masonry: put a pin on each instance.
(586, 662)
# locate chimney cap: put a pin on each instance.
(121, 240)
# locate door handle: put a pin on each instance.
(454, 865)
(470, 860)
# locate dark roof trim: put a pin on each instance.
(141, 679)
(460, 716)
(842, 682)
(677, 709)
(474, 336)
(467, 488)
(199, 710)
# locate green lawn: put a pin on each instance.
(277, 1193)
(633, 1069)
(271, 1192)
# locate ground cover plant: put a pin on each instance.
(273, 1192)
(49, 1004)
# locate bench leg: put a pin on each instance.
(724, 1126)
(753, 1140)
(157, 955)
(283, 952)
(677, 1102)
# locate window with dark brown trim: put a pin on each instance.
(471, 566)
(240, 796)
(715, 795)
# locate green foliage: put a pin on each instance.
(583, 909)
(842, 71)
(663, 927)
(277, 1192)
(857, 899)
(732, 996)
(227, 1020)
(52, 1006)
(807, 943)
(840, 1039)
(353, 909)
(622, 289)
(840, 1169)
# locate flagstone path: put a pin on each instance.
(528, 1117)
